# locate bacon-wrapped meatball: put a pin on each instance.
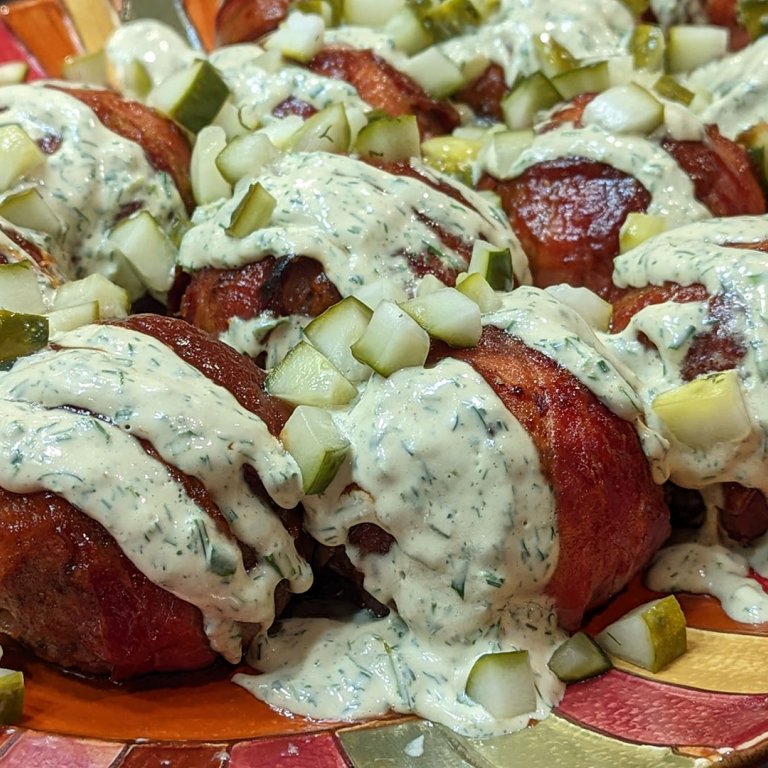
(104, 158)
(569, 193)
(377, 80)
(489, 495)
(144, 500)
(692, 316)
(340, 227)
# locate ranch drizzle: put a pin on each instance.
(90, 177)
(141, 389)
(475, 594)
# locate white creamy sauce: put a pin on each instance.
(697, 254)
(594, 30)
(455, 596)
(706, 562)
(364, 37)
(739, 87)
(265, 333)
(257, 87)
(158, 47)
(329, 669)
(364, 225)
(361, 223)
(90, 177)
(556, 330)
(668, 12)
(671, 189)
(141, 389)
(257, 84)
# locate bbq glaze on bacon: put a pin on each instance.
(241, 21)
(340, 226)
(568, 208)
(385, 88)
(691, 307)
(95, 609)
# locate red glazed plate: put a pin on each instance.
(708, 707)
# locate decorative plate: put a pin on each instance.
(710, 707)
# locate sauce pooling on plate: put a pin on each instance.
(471, 521)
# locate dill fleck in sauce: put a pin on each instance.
(136, 387)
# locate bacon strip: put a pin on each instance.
(722, 176)
(210, 297)
(567, 214)
(281, 286)
(385, 88)
(93, 610)
(484, 95)
(238, 21)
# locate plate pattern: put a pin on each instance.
(708, 708)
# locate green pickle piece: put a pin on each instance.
(193, 96)
(753, 16)
(252, 212)
(451, 155)
(637, 7)
(448, 18)
(330, 12)
(11, 696)
(647, 47)
(503, 683)
(553, 57)
(650, 636)
(389, 139)
(590, 78)
(451, 17)
(20, 334)
(669, 88)
(529, 96)
(579, 658)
